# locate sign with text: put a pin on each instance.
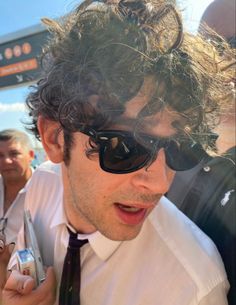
(19, 59)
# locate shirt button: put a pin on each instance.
(206, 168)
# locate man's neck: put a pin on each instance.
(12, 188)
(79, 223)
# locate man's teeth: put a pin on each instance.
(129, 208)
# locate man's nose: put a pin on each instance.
(156, 177)
(7, 159)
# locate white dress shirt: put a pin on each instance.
(14, 214)
(171, 261)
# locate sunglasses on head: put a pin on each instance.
(120, 152)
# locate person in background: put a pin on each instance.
(220, 17)
(225, 27)
(123, 104)
(16, 154)
(207, 193)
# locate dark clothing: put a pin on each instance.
(210, 201)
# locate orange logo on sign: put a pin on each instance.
(26, 65)
(17, 51)
(8, 53)
(26, 48)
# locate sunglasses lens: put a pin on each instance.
(120, 152)
(184, 156)
(122, 155)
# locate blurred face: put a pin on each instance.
(14, 161)
(117, 204)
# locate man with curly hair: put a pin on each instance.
(127, 99)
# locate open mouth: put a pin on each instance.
(130, 215)
(129, 209)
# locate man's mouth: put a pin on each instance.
(128, 209)
(8, 170)
(132, 214)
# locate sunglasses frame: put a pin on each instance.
(101, 137)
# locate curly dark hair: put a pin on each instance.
(106, 49)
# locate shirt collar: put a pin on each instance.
(59, 217)
(102, 246)
(24, 189)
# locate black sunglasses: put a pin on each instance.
(120, 152)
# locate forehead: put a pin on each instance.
(160, 124)
(10, 145)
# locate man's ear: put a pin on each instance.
(52, 139)
(31, 155)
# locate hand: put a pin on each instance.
(19, 290)
(5, 253)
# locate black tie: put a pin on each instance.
(70, 280)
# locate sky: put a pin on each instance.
(17, 15)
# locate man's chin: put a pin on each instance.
(123, 235)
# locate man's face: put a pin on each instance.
(15, 160)
(117, 204)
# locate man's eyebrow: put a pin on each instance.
(131, 122)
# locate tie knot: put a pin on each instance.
(74, 242)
